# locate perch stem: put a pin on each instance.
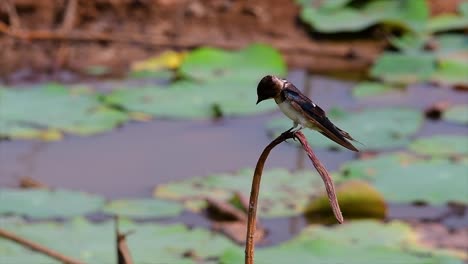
(252, 210)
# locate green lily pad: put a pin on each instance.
(26, 113)
(457, 114)
(282, 193)
(409, 15)
(367, 89)
(447, 22)
(143, 208)
(404, 68)
(404, 178)
(95, 243)
(174, 243)
(441, 145)
(41, 203)
(347, 244)
(216, 83)
(251, 63)
(452, 71)
(91, 243)
(375, 128)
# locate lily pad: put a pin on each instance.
(368, 89)
(409, 15)
(452, 71)
(42, 203)
(143, 208)
(95, 243)
(174, 243)
(403, 178)
(375, 128)
(347, 244)
(282, 193)
(441, 145)
(404, 68)
(29, 113)
(457, 114)
(251, 63)
(214, 83)
(447, 22)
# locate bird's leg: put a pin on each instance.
(291, 129)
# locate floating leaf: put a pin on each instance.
(357, 199)
(143, 208)
(251, 63)
(160, 66)
(361, 242)
(457, 114)
(375, 128)
(94, 243)
(403, 178)
(216, 83)
(367, 89)
(409, 15)
(452, 71)
(91, 243)
(441, 145)
(404, 68)
(283, 193)
(447, 22)
(174, 243)
(29, 113)
(42, 203)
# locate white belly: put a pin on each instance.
(290, 112)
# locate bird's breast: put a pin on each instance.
(290, 112)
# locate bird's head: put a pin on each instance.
(269, 87)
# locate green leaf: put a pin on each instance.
(283, 193)
(367, 89)
(402, 178)
(403, 68)
(172, 243)
(441, 145)
(143, 208)
(90, 243)
(361, 242)
(216, 83)
(26, 113)
(375, 128)
(251, 63)
(452, 71)
(95, 243)
(41, 203)
(409, 15)
(457, 114)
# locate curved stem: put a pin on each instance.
(252, 212)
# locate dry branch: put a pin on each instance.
(252, 212)
(39, 248)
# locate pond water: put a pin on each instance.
(131, 160)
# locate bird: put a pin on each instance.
(301, 110)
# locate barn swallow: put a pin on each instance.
(300, 109)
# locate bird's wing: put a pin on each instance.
(317, 116)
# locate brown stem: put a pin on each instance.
(327, 180)
(39, 248)
(251, 222)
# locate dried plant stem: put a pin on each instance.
(39, 248)
(327, 180)
(252, 212)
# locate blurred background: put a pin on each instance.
(145, 110)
